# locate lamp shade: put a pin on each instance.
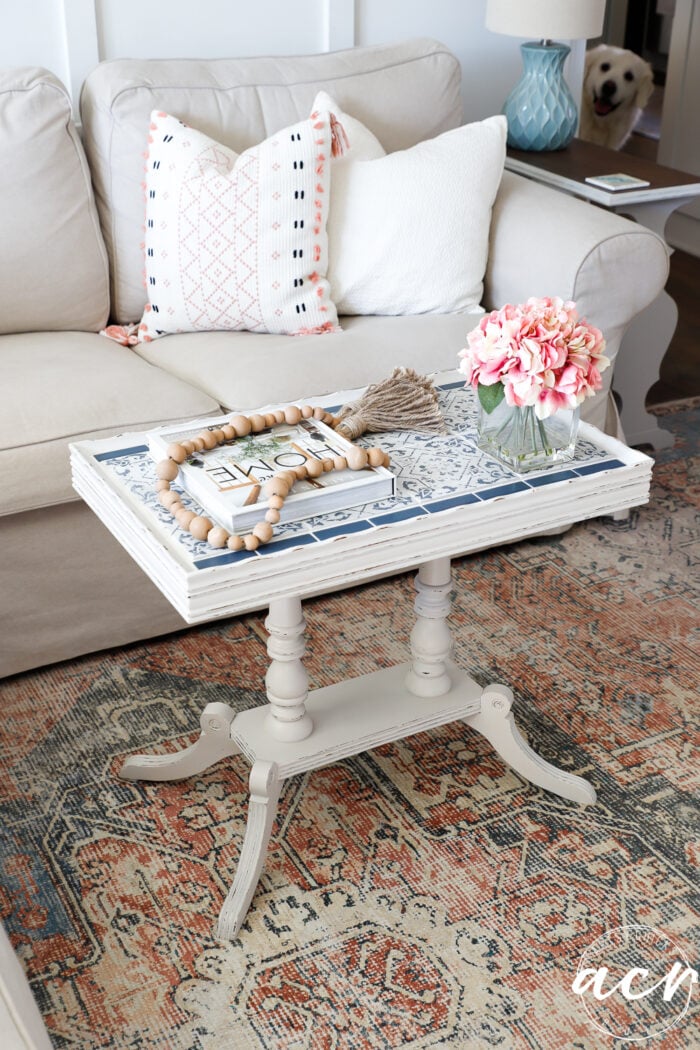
(546, 19)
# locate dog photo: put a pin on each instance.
(617, 85)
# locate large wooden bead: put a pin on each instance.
(184, 517)
(188, 447)
(275, 502)
(251, 542)
(319, 412)
(273, 516)
(177, 452)
(292, 415)
(235, 543)
(200, 527)
(314, 468)
(276, 486)
(219, 435)
(301, 472)
(167, 470)
(264, 531)
(375, 457)
(307, 411)
(197, 443)
(357, 458)
(217, 537)
(257, 423)
(279, 415)
(242, 426)
(167, 497)
(208, 439)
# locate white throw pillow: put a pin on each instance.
(237, 242)
(362, 143)
(408, 232)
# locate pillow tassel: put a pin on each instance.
(339, 140)
(404, 401)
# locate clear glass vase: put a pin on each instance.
(516, 437)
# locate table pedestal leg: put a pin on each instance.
(496, 723)
(431, 640)
(213, 744)
(286, 679)
(264, 793)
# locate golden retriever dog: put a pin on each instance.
(617, 84)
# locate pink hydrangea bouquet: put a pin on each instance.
(539, 354)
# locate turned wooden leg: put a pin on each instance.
(213, 744)
(431, 641)
(496, 723)
(264, 792)
(286, 679)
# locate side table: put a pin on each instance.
(652, 330)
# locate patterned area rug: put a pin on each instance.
(420, 895)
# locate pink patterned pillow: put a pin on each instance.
(238, 242)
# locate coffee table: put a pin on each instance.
(451, 499)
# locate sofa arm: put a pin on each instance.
(547, 243)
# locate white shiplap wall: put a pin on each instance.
(71, 36)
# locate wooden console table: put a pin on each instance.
(649, 335)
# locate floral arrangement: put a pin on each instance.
(539, 355)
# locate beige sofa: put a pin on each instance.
(71, 210)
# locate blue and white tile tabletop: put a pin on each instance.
(434, 473)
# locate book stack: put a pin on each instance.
(229, 481)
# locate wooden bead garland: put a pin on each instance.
(276, 489)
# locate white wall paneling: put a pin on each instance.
(339, 24)
(71, 36)
(80, 43)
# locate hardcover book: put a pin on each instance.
(228, 481)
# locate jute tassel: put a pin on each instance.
(404, 401)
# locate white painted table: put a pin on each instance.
(648, 337)
(451, 499)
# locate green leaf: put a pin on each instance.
(490, 396)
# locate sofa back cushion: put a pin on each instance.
(404, 93)
(53, 264)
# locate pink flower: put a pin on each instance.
(541, 351)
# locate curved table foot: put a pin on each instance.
(496, 723)
(265, 787)
(213, 744)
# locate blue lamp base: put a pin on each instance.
(540, 109)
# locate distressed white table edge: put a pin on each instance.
(299, 731)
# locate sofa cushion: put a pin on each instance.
(409, 233)
(52, 257)
(64, 386)
(242, 370)
(237, 242)
(404, 93)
